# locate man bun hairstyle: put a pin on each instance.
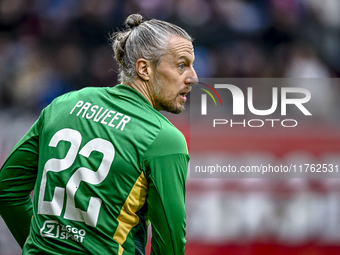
(142, 39)
(133, 20)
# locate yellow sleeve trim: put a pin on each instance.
(128, 218)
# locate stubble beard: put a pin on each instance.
(162, 102)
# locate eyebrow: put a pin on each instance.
(186, 58)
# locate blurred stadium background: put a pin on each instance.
(49, 47)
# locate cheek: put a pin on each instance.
(169, 87)
(171, 83)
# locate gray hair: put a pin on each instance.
(143, 39)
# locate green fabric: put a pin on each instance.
(89, 153)
(17, 178)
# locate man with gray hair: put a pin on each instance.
(103, 162)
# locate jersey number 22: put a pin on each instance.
(54, 207)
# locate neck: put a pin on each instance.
(143, 88)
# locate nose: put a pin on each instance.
(192, 78)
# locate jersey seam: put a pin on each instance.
(165, 155)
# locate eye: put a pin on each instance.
(181, 66)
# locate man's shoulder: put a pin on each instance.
(168, 129)
(169, 140)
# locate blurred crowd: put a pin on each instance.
(49, 47)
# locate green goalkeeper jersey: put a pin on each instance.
(102, 163)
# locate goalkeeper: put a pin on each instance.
(103, 162)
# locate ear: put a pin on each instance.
(143, 69)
